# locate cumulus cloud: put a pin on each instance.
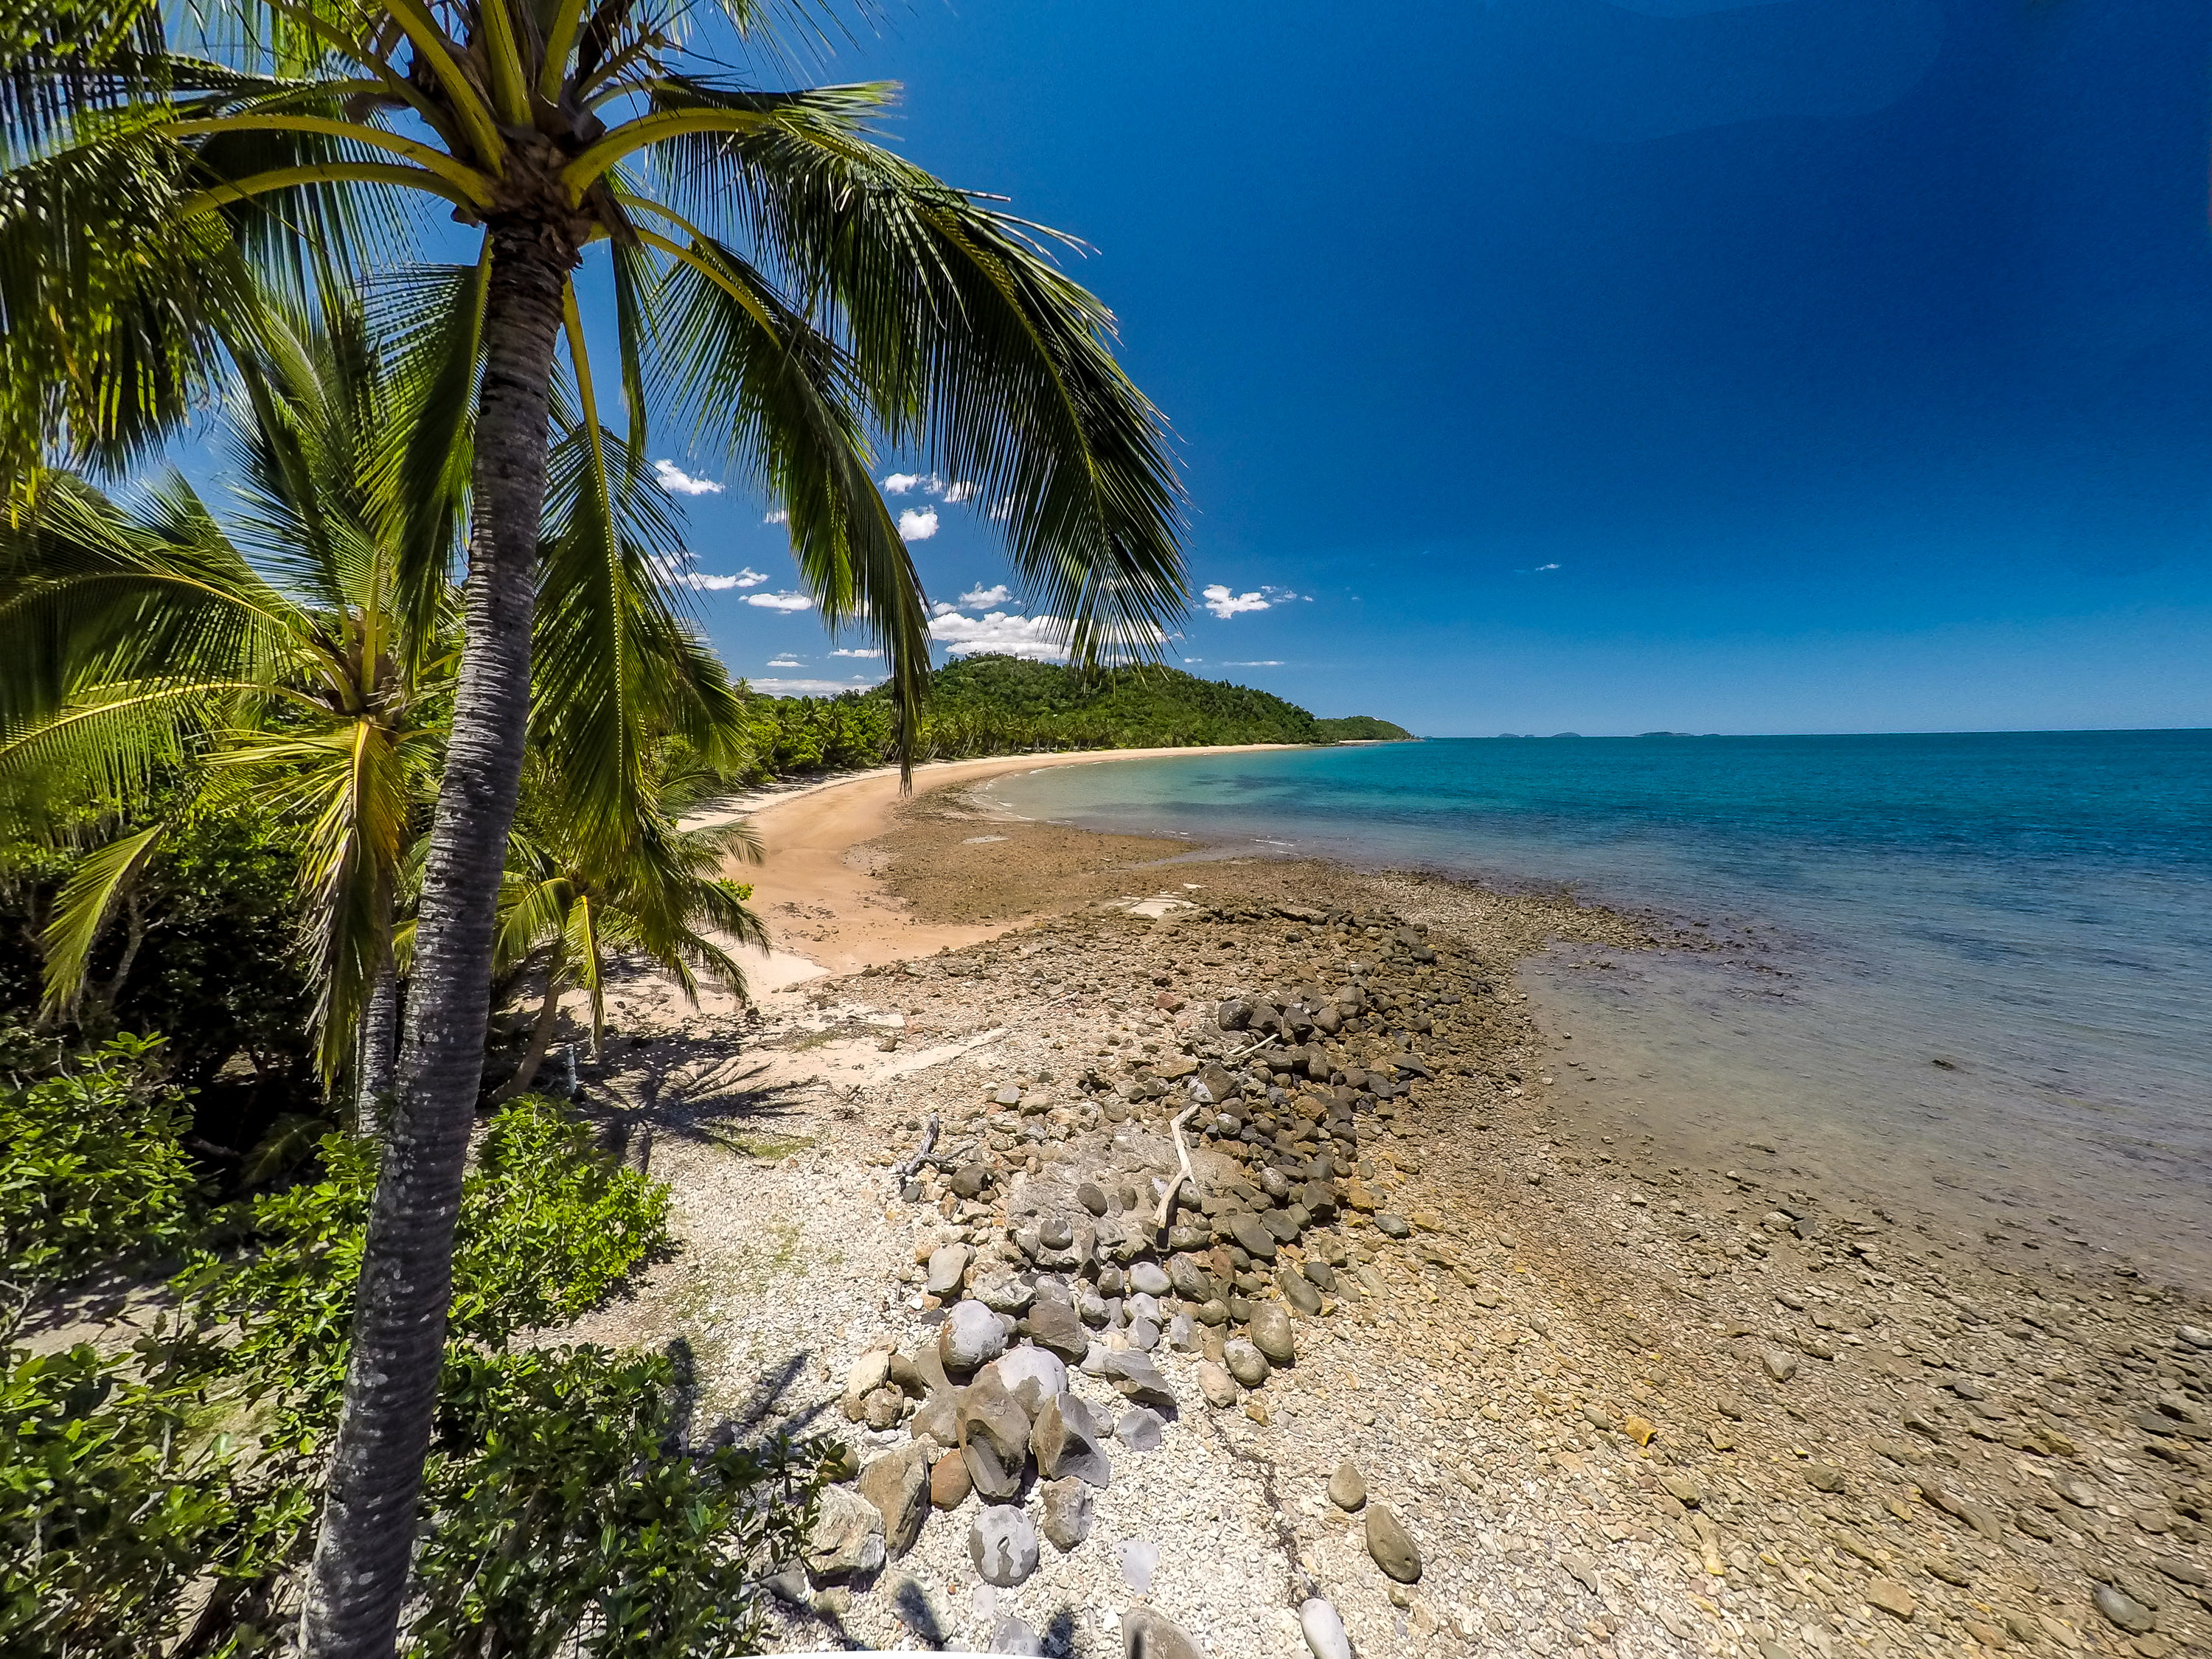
(785, 661)
(781, 601)
(983, 598)
(956, 493)
(943, 608)
(779, 516)
(1036, 639)
(698, 583)
(676, 481)
(1265, 662)
(1548, 567)
(776, 688)
(900, 483)
(1225, 605)
(842, 650)
(918, 525)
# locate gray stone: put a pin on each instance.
(1140, 1558)
(1183, 1334)
(1149, 1278)
(1066, 1443)
(847, 1539)
(1068, 1513)
(948, 1266)
(1217, 1385)
(2123, 1609)
(1003, 1544)
(1092, 1197)
(1270, 1332)
(1032, 1375)
(1319, 1274)
(1143, 1336)
(1393, 1226)
(994, 1439)
(1347, 1487)
(1135, 1375)
(1391, 1546)
(1781, 1364)
(1299, 1291)
(1188, 1278)
(937, 1417)
(1008, 1295)
(1009, 1095)
(970, 1338)
(1140, 1428)
(1051, 1325)
(1212, 1312)
(1011, 1635)
(1245, 1362)
(1054, 1233)
(898, 1485)
(1147, 1635)
(1324, 1630)
(1252, 1237)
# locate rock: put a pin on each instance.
(1011, 1635)
(2190, 1335)
(1324, 1630)
(1252, 1236)
(1052, 1326)
(970, 1338)
(1183, 1334)
(1347, 1487)
(1140, 1428)
(1781, 1364)
(1392, 1226)
(847, 1539)
(969, 1180)
(1392, 1547)
(1008, 1295)
(1300, 1291)
(1138, 1379)
(1092, 1197)
(1682, 1488)
(2123, 1609)
(898, 1485)
(1824, 1477)
(869, 1372)
(1319, 1274)
(1031, 1375)
(1188, 1278)
(937, 1417)
(1892, 1597)
(1213, 1313)
(1140, 1558)
(1245, 1362)
(994, 1439)
(1217, 1385)
(948, 1266)
(883, 1407)
(1270, 1332)
(1066, 1441)
(1068, 1513)
(1143, 1334)
(1003, 1544)
(1147, 1634)
(1150, 1278)
(949, 1482)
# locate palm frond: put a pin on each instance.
(82, 907)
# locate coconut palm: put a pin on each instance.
(779, 280)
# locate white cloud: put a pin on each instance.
(942, 609)
(1225, 605)
(900, 483)
(779, 516)
(676, 481)
(1194, 659)
(786, 662)
(871, 652)
(1548, 567)
(956, 493)
(780, 601)
(776, 687)
(1265, 662)
(1037, 639)
(918, 527)
(982, 598)
(699, 583)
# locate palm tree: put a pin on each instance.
(280, 657)
(566, 905)
(778, 278)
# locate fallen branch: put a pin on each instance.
(1182, 1155)
(1247, 1054)
(905, 1170)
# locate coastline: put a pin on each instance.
(1618, 1405)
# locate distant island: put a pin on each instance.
(994, 705)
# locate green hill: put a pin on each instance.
(1361, 728)
(989, 705)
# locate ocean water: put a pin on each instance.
(1968, 973)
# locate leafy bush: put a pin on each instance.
(162, 1500)
(91, 1172)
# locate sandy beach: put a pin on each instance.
(1591, 1397)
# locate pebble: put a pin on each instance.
(994, 1439)
(1781, 1365)
(1011, 1635)
(1823, 1477)
(1347, 1487)
(948, 1266)
(1148, 1635)
(1891, 1597)
(1140, 1559)
(1092, 1197)
(1391, 1545)
(2123, 1609)
(1392, 1226)
(1066, 1443)
(970, 1338)
(847, 1539)
(1052, 1325)
(1300, 1292)
(1068, 1513)
(1032, 1375)
(897, 1485)
(949, 1485)
(1245, 1362)
(1217, 1386)
(1324, 1630)
(1270, 1332)
(1003, 1544)
(1140, 1430)
(1149, 1278)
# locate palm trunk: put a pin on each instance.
(358, 1579)
(541, 1035)
(379, 1051)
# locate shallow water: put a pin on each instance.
(1972, 971)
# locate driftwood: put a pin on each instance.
(1182, 1155)
(905, 1170)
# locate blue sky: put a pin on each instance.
(1610, 365)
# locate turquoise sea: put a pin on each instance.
(1970, 972)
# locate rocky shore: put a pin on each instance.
(1208, 1271)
